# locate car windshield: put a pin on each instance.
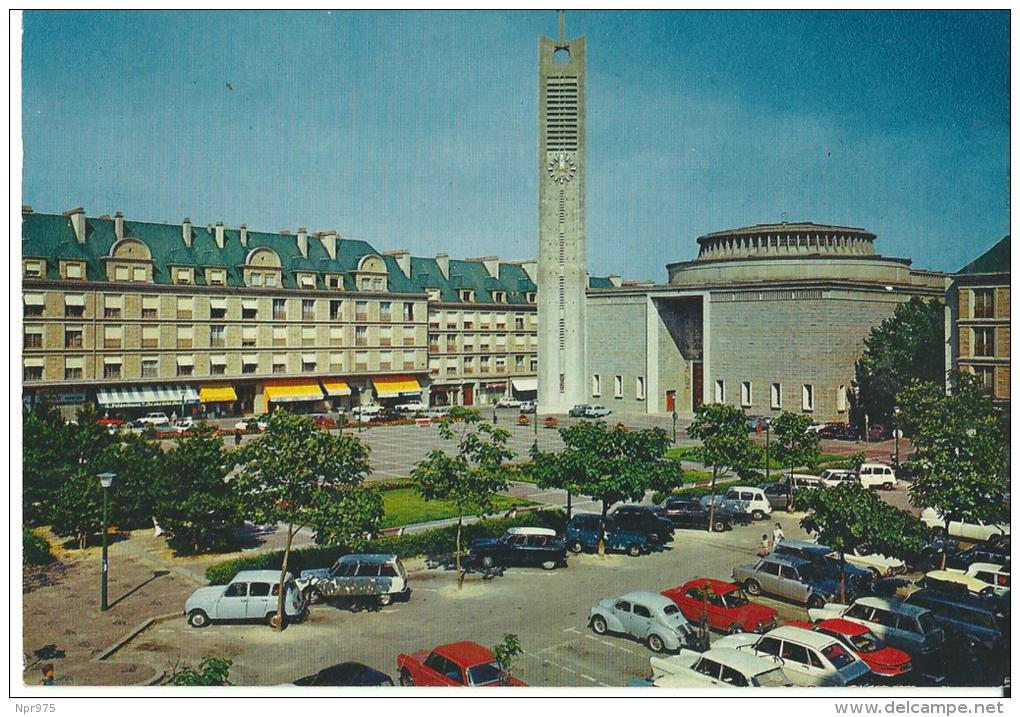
(867, 642)
(927, 622)
(734, 599)
(485, 673)
(772, 678)
(670, 610)
(837, 655)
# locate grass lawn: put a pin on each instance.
(405, 507)
(684, 453)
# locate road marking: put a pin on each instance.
(427, 590)
(384, 610)
(572, 629)
(607, 642)
(591, 637)
(629, 652)
(590, 679)
(567, 669)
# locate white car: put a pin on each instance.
(184, 425)
(436, 412)
(876, 475)
(154, 419)
(835, 477)
(596, 412)
(882, 565)
(718, 667)
(979, 577)
(810, 659)
(977, 530)
(743, 499)
(366, 411)
(252, 422)
(508, 403)
(411, 407)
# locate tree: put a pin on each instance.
(609, 464)
(960, 450)
(195, 503)
(212, 672)
(725, 444)
(471, 478)
(505, 653)
(907, 346)
(850, 516)
(794, 445)
(46, 460)
(138, 464)
(296, 475)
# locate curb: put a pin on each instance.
(148, 622)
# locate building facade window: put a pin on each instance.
(113, 306)
(279, 336)
(807, 393)
(385, 311)
(150, 337)
(185, 337)
(74, 337)
(618, 386)
(33, 369)
(308, 309)
(385, 360)
(720, 391)
(776, 396)
(408, 311)
(74, 270)
(361, 336)
(335, 309)
(984, 342)
(745, 393)
(217, 336)
(639, 388)
(111, 367)
(308, 363)
(150, 307)
(113, 337)
(185, 365)
(249, 336)
(361, 311)
(336, 336)
(35, 305)
(185, 307)
(249, 309)
(533, 364)
(386, 336)
(279, 309)
(249, 364)
(33, 337)
(218, 308)
(841, 399)
(74, 368)
(984, 300)
(150, 367)
(218, 365)
(279, 363)
(215, 277)
(308, 336)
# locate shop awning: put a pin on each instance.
(393, 386)
(525, 384)
(157, 395)
(213, 394)
(336, 387)
(291, 392)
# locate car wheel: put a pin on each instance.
(757, 515)
(790, 508)
(273, 620)
(735, 629)
(313, 596)
(549, 565)
(385, 599)
(996, 539)
(815, 601)
(752, 586)
(655, 643)
(887, 486)
(599, 626)
(633, 550)
(488, 562)
(198, 618)
(575, 546)
(405, 679)
(875, 573)
(719, 526)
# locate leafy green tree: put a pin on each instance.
(794, 445)
(609, 464)
(212, 672)
(850, 516)
(960, 450)
(506, 652)
(472, 477)
(138, 464)
(725, 444)
(46, 460)
(195, 503)
(905, 347)
(296, 475)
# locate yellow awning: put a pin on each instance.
(336, 387)
(286, 392)
(212, 394)
(393, 386)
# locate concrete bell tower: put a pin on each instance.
(562, 252)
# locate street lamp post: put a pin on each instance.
(768, 428)
(674, 427)
(897, 432)
(105, 480)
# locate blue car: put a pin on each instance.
(582, 533)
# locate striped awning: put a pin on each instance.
(213, 394)
(393, 386)
(525, 384)
(336, 387)
(157, 395)
(291, 392)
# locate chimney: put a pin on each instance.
(244, 235)
(615, 280)
(186, 232)
(403, 257)
(444, 264)
(302, 241)
(218, 234)
(77, 217)
(328, 239)
(491, 264)
(531, 269)
(118, 225)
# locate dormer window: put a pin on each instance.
(34, 268)
(184, 275)
(74, 270)
(371, 274)
(466, 295)
(532, 297)
(499, 297)
(216, 277)
(433, 294)
(334, 282)
(306, 281)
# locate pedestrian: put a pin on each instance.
(763, 547)
(47, 675)
(173, 416)
(237, 438)
(777, 535)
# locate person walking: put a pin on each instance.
(777, 535)
(763, 547)
(47, 675)
(237, 438)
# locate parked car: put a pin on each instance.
(963, 559)
(995, 576)
(111, 422)
(723, 605)
(788, 577)
(366, 413)
(649, 520)
(647, 616)
(718, 667)
(881, 659)
(527, 407)
(379, 576)
(801, 481)
(346, 674)
(810, 659)
(251, 595)
(522, 546)
(778, 495)
(578, 411)
(835, 429)
(457, 664)
(436, 412)
(690, 513)
(951, 580)
(508, 403)
(883, 566)
(981, 622)
(826, 561)
(757, 423)
(970, 530)
(582, 533)
(154, 418)
(596, 412)
(410, 407)
(252, 423)
(743, 499)
(903, 625)
(835, 477)
(185, 425)
(876, 475)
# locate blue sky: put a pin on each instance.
(419, 130)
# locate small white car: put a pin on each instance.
(810, 659)
(977, 530)
(835, 477)
(411, 407)
(366, 412)
(252, 422)
(251, 595)
(743, 499)
(882, 565)
(154, 419)
(718, 667)
(184, 425)
(978, 578)
(436, 411)
(876, 475)
(527, 407)
(508, 403)
(596, 412)
(650, 617)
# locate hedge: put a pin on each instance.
(36, 548)
(428, 542)
(696, 492)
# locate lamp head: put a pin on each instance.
(106, 479)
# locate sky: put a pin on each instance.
(418, 131)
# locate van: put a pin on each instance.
(379, 576)
(745, 499)
(876, 475)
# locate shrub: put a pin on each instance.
(36, 549)
(550, 422)
(428, 542)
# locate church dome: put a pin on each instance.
(786, 239)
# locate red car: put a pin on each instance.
(883, 660)
(728, 608)
(458, 664)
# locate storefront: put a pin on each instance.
(490, 391)
(130, 402)
(392, 390)
(219, 400)
(339, 393)
(525, 389)
(301, 396)
(444, 395)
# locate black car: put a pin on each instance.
(977, 624)
(346, 674)
(650, 520)
(521, 546)
(690, 513)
